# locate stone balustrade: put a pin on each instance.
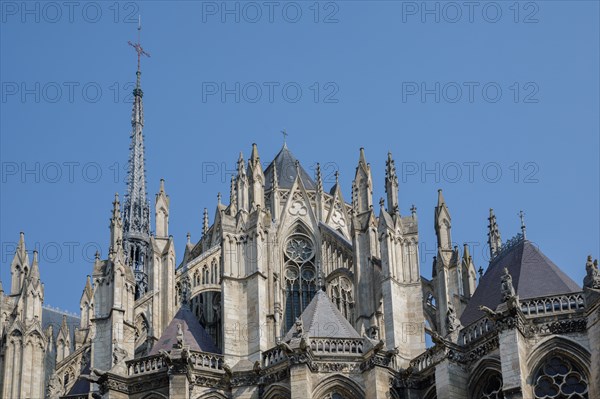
(206, 360)
(145, 365)
(476, 330)
(337, 346)
(273, 356)
(553, 304)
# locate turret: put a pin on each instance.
(469, 274)
(319, 196)
(19, 266)
(443, 223)
(275, 204)
(391, 185)
(205, 224)
(256, 180)
(63, 341)
(494, 240)
(161, 211)
(241, 185)
(116, 228)
(362, 198)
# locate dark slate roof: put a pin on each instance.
(321, 319)
(194, 334)
(53, 317)
(285, 162)
(533, 275)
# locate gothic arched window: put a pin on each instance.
(341, 294)
(300, 276)
(558, 377)
(489, 386)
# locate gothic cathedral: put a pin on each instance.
(293, 291)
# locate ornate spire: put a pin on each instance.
(205, 222)
(136, 207)
(391, 184)
(494, 240)
(275, 182)
(442, 223)
(136, 212)
(34, 274)
(362, 191)
(319, 179)
(232, 197)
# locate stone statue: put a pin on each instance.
(54, 387)
(180, 340)
(507, 289)
(119, 354)
(451, 319)
(592, 278)
(299, 327)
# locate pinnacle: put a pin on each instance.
(441, 199)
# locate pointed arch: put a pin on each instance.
(299, 254)
(338, 384)
(559, 366)
(560, 345)
(212, 395)
(277, 391)
(486, 379)
(298, 226)
(155, 395)
(430, 393)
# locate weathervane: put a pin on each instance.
(138, 46)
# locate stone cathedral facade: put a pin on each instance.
(294, 291)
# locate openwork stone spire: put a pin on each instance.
(136, 208)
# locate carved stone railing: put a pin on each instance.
(425, 360)
(337, 346)
(552, 304)
(273, 356)
(205, 360)
(150, 364)
(476, 330)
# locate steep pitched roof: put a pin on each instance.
(533, 275)
(285, 162)
(54, 318)
(321, 319)
(194, 334)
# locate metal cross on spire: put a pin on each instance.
(285, 134)
(522, 217)
(138, 46)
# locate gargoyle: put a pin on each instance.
(94, 375)
(491, 314)
(437, 339)
(285, 347)
(257, 367)
(166, 355)
(227, 369)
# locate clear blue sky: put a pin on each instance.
(376, 66)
